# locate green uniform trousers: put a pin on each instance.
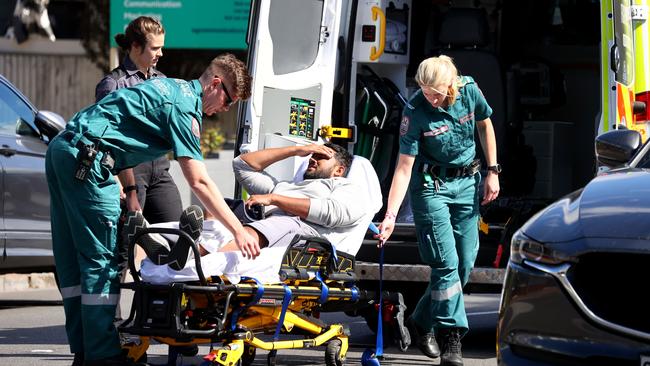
(84, 218)
(446, 221)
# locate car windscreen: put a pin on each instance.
(15, 114)
(641, 159)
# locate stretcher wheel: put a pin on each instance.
(333, 353)
(270, 359)
(248, 357)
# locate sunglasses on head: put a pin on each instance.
(225, 90)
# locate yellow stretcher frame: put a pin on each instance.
(310, 294)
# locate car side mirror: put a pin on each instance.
(49, 123)
(616, 148)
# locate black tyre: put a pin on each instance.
(332, 356)
(370, 316)
(248, 357)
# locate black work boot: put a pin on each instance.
(451, 353)
(78, 359)
(426, 341)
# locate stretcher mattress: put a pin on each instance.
(232, 265)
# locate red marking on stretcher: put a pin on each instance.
(210, 357)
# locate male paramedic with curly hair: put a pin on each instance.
(129, 126)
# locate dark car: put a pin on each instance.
(574, 287)
(25, 238)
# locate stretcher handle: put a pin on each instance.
(165, 230)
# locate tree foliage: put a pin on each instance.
(94, 32)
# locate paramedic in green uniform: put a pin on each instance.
(127, 127)
(436, 164)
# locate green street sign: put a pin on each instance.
(204, 24)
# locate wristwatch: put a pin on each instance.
(494, 168)
(128, 189)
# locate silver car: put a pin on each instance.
(25, 238)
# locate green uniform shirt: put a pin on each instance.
(443, 136)
(146, 121)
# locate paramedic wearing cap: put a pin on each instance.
(436, 164)
(126, 128)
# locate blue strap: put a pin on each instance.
(380, 337)
(355, 293)
(336, 258)
(372, 227)
(258, 295)
(285, 305)
(324, 290)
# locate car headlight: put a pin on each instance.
(524, 248)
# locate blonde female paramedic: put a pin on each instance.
(437, 164)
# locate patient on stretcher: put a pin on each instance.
(220, 256)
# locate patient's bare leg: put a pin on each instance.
(231, 246)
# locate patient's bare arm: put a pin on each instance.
(231, 246)
(292, 205)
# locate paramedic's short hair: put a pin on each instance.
(137, 31)
(229, 67)
(341, 155)
(436, 70)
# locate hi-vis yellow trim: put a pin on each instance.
(606, 40)
(327, 132)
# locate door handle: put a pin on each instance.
(374, 52)
(7, 151)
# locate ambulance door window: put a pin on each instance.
(623, 57)
(295, 30)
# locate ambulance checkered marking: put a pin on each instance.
(422, 273)
(191, 222)
(154, 245)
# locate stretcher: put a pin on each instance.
(233, 317)
(273, 303)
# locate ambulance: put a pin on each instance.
(556, 73)
(625, 74)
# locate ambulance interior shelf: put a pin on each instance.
(378, 114)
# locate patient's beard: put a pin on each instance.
(318, 174)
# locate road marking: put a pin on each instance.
(42, 351)
(483, 313)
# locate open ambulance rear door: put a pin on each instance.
(293, 61)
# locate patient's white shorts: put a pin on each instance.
(279, 230)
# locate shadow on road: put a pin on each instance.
(37, 335)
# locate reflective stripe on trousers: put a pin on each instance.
(446, 221)
(84, 218)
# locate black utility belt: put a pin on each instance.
(451, 172)
(88, 150)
